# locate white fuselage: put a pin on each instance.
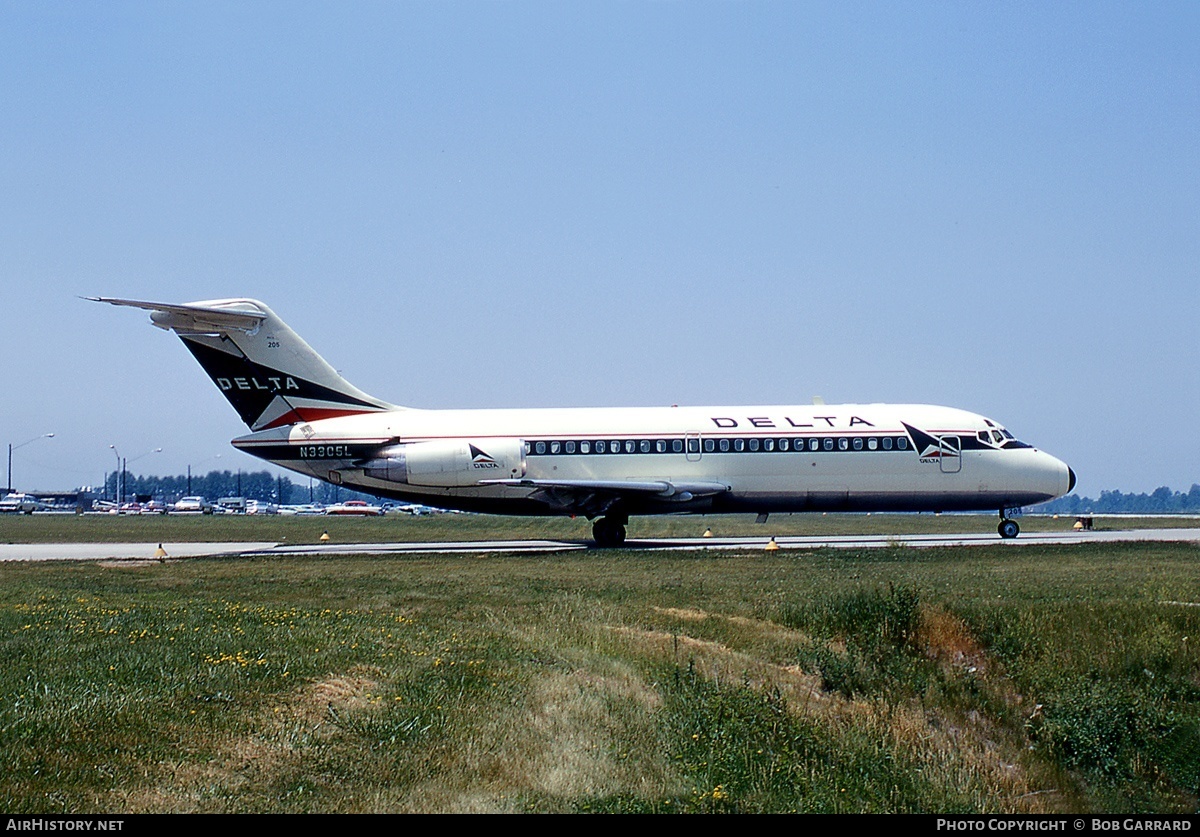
(601, 463)
(873, 457)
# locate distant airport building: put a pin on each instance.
(79, 500)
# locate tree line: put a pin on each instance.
(253, 485)
(1161, 500)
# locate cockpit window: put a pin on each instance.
(996, 434)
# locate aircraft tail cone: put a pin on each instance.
(771, 545)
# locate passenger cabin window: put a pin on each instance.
(752, 444)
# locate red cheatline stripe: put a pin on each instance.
(312, 414)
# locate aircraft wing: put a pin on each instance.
(592, 497)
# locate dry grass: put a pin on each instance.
(968, 751)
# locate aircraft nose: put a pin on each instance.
(1057, 477)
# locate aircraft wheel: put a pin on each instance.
(608, 533)
(1008, 529)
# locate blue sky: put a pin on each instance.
(994, 206)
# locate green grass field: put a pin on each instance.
(988, 679)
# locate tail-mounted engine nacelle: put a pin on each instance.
(449, 463)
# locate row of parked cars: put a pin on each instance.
(189, 505)
(240, 505)
(28, 504)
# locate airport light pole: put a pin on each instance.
(12, 447)
(124, 464)
(117, 477)
(201, 462)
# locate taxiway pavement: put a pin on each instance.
(176, 551)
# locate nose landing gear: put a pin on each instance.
(1008, 528)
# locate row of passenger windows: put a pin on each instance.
(694, 445)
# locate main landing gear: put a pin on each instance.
(609, 532)
(1008, 529)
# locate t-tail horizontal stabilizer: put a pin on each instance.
(268, 373)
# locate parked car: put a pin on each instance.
(22, 503)
(261, 507)
(415, 509)
(232, 505)
(360, 507)
(307, 508)
(193, 504)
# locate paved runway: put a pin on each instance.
(147, 551)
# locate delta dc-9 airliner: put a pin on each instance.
(606, 464)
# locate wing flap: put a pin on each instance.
(665, 489)
(596, 497)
